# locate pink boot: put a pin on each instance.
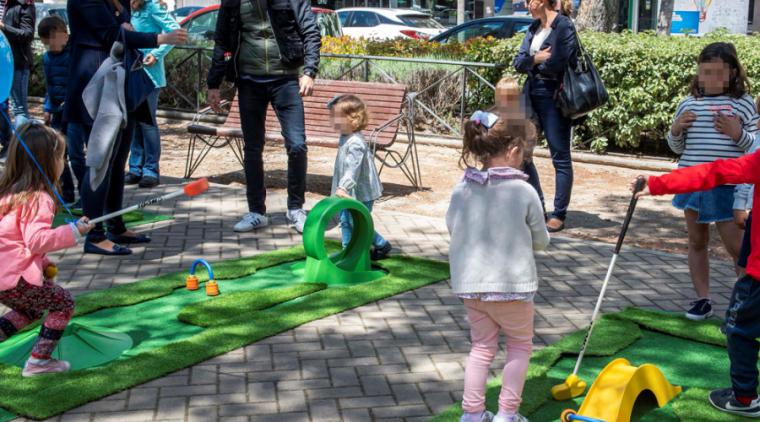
(50, 366)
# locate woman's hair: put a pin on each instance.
(738, 84)
(566, 7)
(481, 143)
(354, 110)
(22, 180)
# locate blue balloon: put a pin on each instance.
(6, 68)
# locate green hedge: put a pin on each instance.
(646, 77)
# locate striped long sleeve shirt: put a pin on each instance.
(702, 143)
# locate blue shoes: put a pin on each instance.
(117, 250)
(128, 240)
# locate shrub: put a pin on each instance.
(646, 77)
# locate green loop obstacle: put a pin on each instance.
(350, 266)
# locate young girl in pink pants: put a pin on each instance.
(496, 222)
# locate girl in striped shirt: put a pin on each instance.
(718, 120)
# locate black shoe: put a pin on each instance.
(700, 310)
(131, 179)
(149, 182)
(117, 250)
(128, 240)
(725, 401)
(376, 254)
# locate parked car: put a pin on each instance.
(183, 12)
(201, 25)
(497, 27)
(377, 23)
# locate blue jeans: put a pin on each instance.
(108, 197)
(254, 98)
(557, 130)
(742, 332)
(530, 169)
(20, 96)
(77, 137)
(347, 228)
(146, 144)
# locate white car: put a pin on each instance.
(384, 24)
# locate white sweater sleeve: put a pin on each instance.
(537, 223)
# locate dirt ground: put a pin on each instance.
(599, 202)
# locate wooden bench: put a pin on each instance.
(385, 102)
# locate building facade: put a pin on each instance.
(693, 16)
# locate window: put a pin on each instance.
(520, 27)
(481, 29)
(361, 19)
(420, 21)
(203, 25)
(343, 16)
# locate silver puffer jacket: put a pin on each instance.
(355, 170)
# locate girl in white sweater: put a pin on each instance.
(496, 222)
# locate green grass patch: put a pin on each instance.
(609, 337)
(43, 397)
(675, 324)
(227, 308)
(693, 405)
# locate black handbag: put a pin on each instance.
(582, 89)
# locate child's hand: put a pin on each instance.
(728, 125)
(683, 122)
(341, 193)
(644, 191)
(740, 218)
(149, 60)
(84, 226)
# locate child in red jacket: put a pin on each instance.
(743, 315)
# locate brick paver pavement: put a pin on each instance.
(400, 359)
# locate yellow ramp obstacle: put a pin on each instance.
(613, 394)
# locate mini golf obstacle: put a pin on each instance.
(150, 328)
(616, 389)
(192, 283)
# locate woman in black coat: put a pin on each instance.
(95, 25)
(549, 45)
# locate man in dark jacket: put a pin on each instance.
(270, 50)
(17, 23)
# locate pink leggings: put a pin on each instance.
(486, 319)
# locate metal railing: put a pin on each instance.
(187, 68)
(463, 70)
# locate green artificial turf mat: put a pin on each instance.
(675, 324)
(609, 337)
(6, 416)
(231, 306)
(43, 397)
(131, 219)
(81, 346)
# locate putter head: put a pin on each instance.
(571, 388)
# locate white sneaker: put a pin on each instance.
(502, 417)
(486, 416)
(251, 221)
(49, 366)
(297, 218)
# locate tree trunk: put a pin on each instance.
(666, 17)
(598, 15)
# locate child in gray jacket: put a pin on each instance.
(355, 175)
